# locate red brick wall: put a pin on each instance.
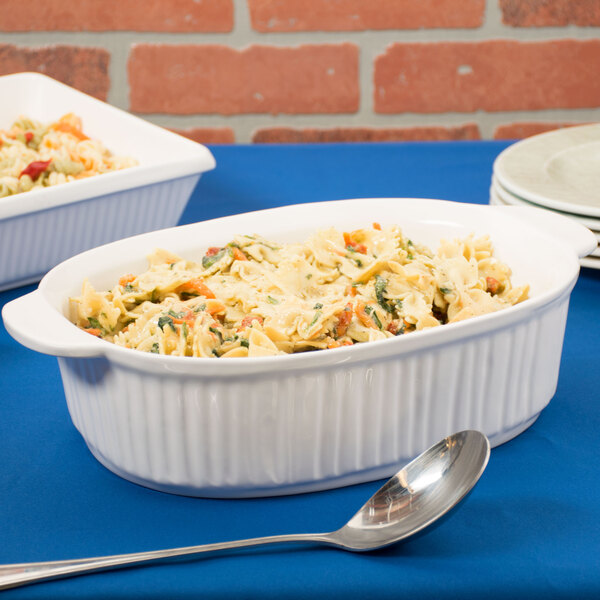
(261, 71)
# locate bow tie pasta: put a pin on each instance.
(254, 297)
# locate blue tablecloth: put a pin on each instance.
(531, 527)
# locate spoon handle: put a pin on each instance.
(15, 575)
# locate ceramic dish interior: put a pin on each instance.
(315, 420)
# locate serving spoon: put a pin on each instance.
(413, 499)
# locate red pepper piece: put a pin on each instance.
(35, 169)
(28, 136)
(247, 321)
(352, 245)
(238, 254)
(492, 285)
(344, 320)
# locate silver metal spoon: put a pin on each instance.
(413, 499)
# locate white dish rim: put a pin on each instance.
(76, 343)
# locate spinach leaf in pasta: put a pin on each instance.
(209, 261)
(166, 320)
(380, 290)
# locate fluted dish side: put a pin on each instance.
(303, 431)
(41, 240)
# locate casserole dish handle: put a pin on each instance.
(39, 326)
(562, 229)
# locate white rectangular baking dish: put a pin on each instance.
(41, 228)
(277, 425)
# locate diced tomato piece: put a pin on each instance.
(393, 328)
(238, 254)
(126, 279)
(196, 286)
(69, 128)
(187, 317)
(28, 136)
(363, 316)
(344, 320)
(247, 321)
(212, 251)
(217, 307)
(336, 344)
(35, 169)
(350, 243)
(492, 285)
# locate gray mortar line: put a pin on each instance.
(371, 43)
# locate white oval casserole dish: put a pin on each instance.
(317, 420)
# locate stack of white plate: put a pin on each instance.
(558, 171)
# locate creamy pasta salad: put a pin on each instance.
(255, 297)
(33, 155)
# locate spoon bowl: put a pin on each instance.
(420, 494)
(411, 501)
